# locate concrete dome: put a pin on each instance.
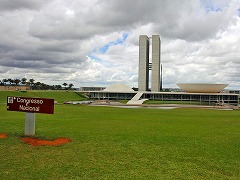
(118, 88)
(202, 88)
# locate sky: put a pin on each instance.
(95, 43)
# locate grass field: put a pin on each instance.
(59, 96)
(177, 102)
(115, 143)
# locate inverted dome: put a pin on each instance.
(202, 88)
(118, 88)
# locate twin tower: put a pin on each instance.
(145, 65)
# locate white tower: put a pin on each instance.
(145, 66)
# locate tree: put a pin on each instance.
(16, 81)
(44, 86)
(10, 81)
(70, 86)
(31, 81)
(5, 81)
(37, 85)
(65, 84)
(23, 80)
(34, 86)
(58, 87)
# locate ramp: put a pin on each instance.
(137, 96)
(135, 100)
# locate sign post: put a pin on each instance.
(30, 124)
(30, 106)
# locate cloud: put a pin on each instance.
(7, 5)
(96, 42)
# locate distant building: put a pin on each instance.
(234, 91)
(202, 98)
(145, 65)
(143, 72)
(122, 92)
(156, 48)
(92, 88)
(14, 88)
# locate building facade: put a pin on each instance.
(156, 45)
(14, 88)
(145, 65)
(192, 98)
(143, 72)
(201, 94)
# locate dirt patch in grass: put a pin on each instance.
(41, 142)
(3, 135)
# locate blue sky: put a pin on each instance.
(105, 47)
(118, 41)
(211, 5)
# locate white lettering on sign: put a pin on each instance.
(38, 105)
(29, 108)
(27, 101)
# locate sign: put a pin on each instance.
(32, 105)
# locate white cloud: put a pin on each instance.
(58, 40)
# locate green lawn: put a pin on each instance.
(115, 143)
(59, 96)
(177, 102)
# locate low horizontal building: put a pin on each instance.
(92, 88)
(14, 88)
(234, 91)
(202, 98)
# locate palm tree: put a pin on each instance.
(16, 81)
(10, 81)
(65, 84)
(23, 80)
(31, 81)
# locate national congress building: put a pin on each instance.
(203, 93)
